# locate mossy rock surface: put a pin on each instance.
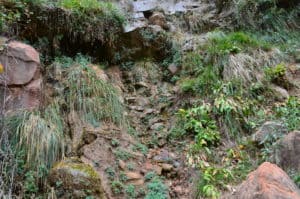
(73, 179)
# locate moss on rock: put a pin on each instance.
(73, 178)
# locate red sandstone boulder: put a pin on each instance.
(21, 81)
(21, 63)
(267, 182)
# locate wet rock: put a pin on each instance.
(287, 153)
(269, 130)
(73, 179)
(267, 182)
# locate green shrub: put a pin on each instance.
(199, 122)
(41, 137)
(117, 187)
(289, 113)
(221, 44)
(130, 191)
(156, 189)
(276, 74)
(106, 8)
(212, 180)
(89, 95)
(204, 83)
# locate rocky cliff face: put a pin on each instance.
(174, 99)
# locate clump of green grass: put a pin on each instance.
(107, 9)
(40, 135)
(91, 96)
(221, 44)
(207, 79)
(265, 14)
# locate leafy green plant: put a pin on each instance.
(150, 175)
(122, 154)
(276, 74)
(110, 172)
(289, 113)
(199, 122)
(204, 83)
(130, 191)
(117, 187)
(212, 180)
(156, 189)
(141, 148)
(30, 183)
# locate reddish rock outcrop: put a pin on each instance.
(267, 182)
(21, 81)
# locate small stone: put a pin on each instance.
(142, 84)
(136, 108)
(122, 164)
(138, 182)
(157, 126)
(149, 111)
(166, 167)
(157, 169)
(133, 175)
(162, 142)
(163, 157)
(280, 93)
(158, 19)
(173, 69)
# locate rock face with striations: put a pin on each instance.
(267, 182)
(21, 81)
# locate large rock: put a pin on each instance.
(21, 63)
(73, 179)
(21, 81)
(267, 182)
(288, 152)
(269, 131)
(159, 19)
